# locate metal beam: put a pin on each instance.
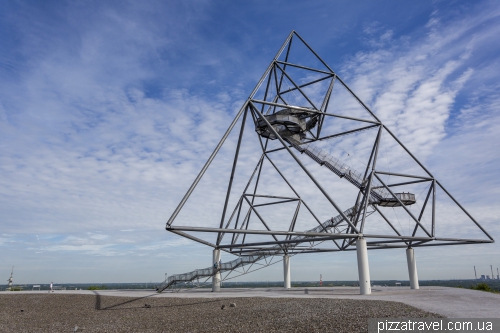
(347, 132)
(319, 250)
(324, 106)
(269, 196)
(359, 100)
(304, 67)
(403, 175)
(329, 137)
(196, 239)
(463, 209)
(258, 232)
(205, 167)
(406, 149)
(422, 212)
(291, 241)
(276, 203)
(305, 84)
(304, 168)
(296, 86)
(402, 205)
(401, 184)
(260, 217)
(257, 167)
(370, 179)
(295, 233)
(291, 187)
(233, 170)
(313, 52)
(314, 111)
(433, 207)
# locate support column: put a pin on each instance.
(363, 268)
(216, 277)
(286, 271)
(412, 268)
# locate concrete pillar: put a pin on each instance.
(216, 277)
(363, 268)
(286, 271)
(412, 268)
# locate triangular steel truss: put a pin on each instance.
(292, 104)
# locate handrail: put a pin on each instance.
(250, 259)
(377, 193)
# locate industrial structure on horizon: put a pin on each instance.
(487, 277)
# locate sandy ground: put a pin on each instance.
(73, 312)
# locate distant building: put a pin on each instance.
(483, 277)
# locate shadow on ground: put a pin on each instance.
(118, 306)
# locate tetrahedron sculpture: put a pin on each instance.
(326, 175)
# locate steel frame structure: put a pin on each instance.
(231, 234)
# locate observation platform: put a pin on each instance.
(406, 198)
(287, 122)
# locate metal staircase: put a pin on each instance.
(378, 194)
(327, 226)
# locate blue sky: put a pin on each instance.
(108, 109)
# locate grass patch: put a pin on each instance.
(102, 287)
(483, 287)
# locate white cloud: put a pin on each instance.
(104, 130)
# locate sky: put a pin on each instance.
(109, 109)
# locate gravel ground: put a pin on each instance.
(87, 313)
